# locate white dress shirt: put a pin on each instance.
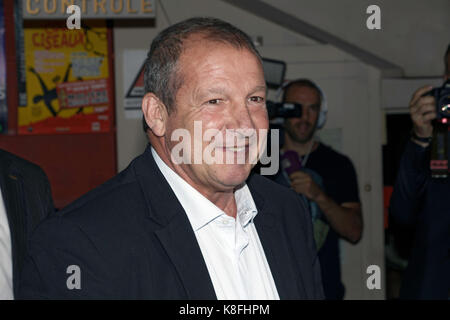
(231, 247)
(6, 284)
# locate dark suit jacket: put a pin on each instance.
(423, 203)
(132, 239)
(28, 200)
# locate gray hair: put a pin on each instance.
(302, 83)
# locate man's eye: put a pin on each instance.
(315, 108)
(257, 99)
(214, 101)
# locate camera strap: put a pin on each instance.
(440, 150)
(306, 156)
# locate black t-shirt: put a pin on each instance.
(340, 183)
(337, 172)
(421, 201)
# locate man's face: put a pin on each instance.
(302, 129)
(223, 88)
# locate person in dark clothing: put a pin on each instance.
(421, 201)
(25, 200)
(326, 181)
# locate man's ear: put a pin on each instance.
(155, 114)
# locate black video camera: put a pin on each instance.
(283, 110)
(440, 145)
(442, 96)
(274, 71)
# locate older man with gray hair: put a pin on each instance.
(184, 227)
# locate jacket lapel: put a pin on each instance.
(11, 192)
(176, 234)
(180, 243)
(278, 255)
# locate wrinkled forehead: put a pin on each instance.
(206, 40)
(212, 36)
(199, 49)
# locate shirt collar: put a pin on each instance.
(199, 210)
(246, 207)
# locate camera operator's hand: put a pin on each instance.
(423, 111)
(304, 184)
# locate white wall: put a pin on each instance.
(414, 34)
(354, 98)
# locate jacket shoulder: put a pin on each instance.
(269, 188)
(282, 201)
(109, 200)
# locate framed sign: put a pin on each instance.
(89, 9)
(67, 79)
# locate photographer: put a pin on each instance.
(324, 178)
(423, 202)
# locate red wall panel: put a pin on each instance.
(74, 163)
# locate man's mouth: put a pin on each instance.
(236, 148)
(303, 127)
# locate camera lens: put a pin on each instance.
(444, 106)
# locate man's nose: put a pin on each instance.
(241, 118)
(305, 112)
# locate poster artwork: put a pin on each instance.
(67, 81)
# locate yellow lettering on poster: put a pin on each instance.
(65, 4)
(83, 6)
(46, 6)
(114, 8)
(129, 9)
(101, 4)
(146, 6)
(30, 10)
